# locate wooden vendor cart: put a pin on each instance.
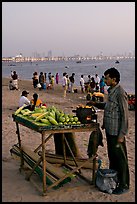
(46, 134)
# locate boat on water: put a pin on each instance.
(116, 61)
(79, 61)
(12, 65)
(66, 67)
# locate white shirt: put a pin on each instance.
(64, 81)
(82, 82)
(23, 100)
(97, 79)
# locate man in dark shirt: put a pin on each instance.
(72, 80)
(15, 79)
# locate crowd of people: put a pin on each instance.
(44, 81)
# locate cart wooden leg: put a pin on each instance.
(64, 149)
(45, 142)
(44, 163)
(19, 141)
(71, 152)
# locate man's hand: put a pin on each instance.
(120, 139)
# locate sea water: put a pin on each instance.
(25, 70)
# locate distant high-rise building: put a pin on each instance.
(49, 53)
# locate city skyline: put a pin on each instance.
(68, 28)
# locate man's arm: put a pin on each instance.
(99, 105)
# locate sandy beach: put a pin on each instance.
(14, 186)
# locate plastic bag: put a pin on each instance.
(106, 180)
(39, 85)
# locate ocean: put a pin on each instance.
(25, 70)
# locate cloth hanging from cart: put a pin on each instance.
(70, 137)
(99, 141)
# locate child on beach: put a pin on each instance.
(11, 85)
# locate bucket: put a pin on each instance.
(86, 115)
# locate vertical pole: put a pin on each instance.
(44, 162)
(19, 141)
(64, 149)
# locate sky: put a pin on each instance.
(68, 28)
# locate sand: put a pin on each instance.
(14, 186)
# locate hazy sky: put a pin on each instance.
(68, 28)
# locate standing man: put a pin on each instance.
(97, 81)
(41, 80)
(57, 78)
(115, 123)
(72, 80)
(82, 84)
(64, 84)
(15, 79)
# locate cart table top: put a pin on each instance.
(39, 127)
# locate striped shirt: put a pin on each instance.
(115, 118)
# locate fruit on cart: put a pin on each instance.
(75, 119)
(52, 120)
(35, 114)
(49, 116)
(62, 119)
(46, 121)
(26, 112)
(41, 116)
(19, 110)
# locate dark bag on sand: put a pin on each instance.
(106, 180)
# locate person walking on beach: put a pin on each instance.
(57, 78)
(68, 83)
(49, 77)
(45, 74)
(64, 84)
(82, 83)
(42, 80)
(92, 85)
(115, 123)
(35, 79)
(72, 80)
(15, 79)
(102, 84)
(97, 81)
(52, 82)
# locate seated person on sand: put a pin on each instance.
(23, 99)
(36, 101)
(11, 85)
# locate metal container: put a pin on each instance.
(86, 115)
